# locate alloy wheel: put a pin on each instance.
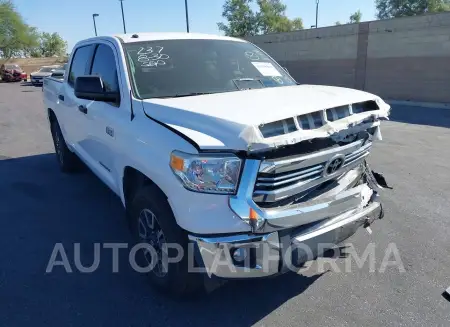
(58, 146)
(151, 233)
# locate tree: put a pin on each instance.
(297, 24)
(241, 19)
(401, 8)
(15, 35)
(355, 17)
(271, 18)
(52, 45)
(17, 38)
(337, 23)
(31, 47)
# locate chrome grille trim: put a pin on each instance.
(289, 180)
(315, 158)
(275, 181)
(296, 175)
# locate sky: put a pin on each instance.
(73, 19)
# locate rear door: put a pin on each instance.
(75, 124)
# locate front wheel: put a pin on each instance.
(68, 161)
(154, 227)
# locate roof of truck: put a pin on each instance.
(131, 37)
(142, 37)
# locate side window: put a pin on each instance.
(104, 65)
(79, 63)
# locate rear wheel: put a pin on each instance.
(68, 161)
(152, 223)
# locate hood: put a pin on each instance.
(232, 120)
(41, 74)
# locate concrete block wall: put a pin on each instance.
(402, 59)
(409, 58)
(316, 56)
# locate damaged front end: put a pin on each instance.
(338, 124)
(302, 198)
(314, 181)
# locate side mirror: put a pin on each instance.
(91, 88)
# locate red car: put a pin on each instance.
(12, 73)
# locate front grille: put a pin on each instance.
(282, 179)
(275, 181)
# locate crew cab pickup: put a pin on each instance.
(223, 162)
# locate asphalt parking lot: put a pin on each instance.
(39, 207)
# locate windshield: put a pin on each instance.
(46, 69)
(171, 68)
(12, 67)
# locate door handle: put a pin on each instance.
(61, 97)
(83, 109)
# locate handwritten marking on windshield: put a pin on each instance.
(252, 55)
(152, 56)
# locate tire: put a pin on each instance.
(67, 160)
(150, 204)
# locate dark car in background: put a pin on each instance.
(12, 73)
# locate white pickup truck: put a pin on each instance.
(212, 145)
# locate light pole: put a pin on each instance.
(317, 12)
(123, 17)
(95, 26)
(187, 15)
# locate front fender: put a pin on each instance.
(147, 149)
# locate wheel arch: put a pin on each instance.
(133, 179)
(51, 115)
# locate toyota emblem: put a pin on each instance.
(334, 164)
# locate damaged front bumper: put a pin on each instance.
(290, 236)
(280, 251)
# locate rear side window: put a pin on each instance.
(104, 65)
(79, 63)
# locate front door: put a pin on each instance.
(106, 118)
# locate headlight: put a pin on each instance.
(207, 173)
